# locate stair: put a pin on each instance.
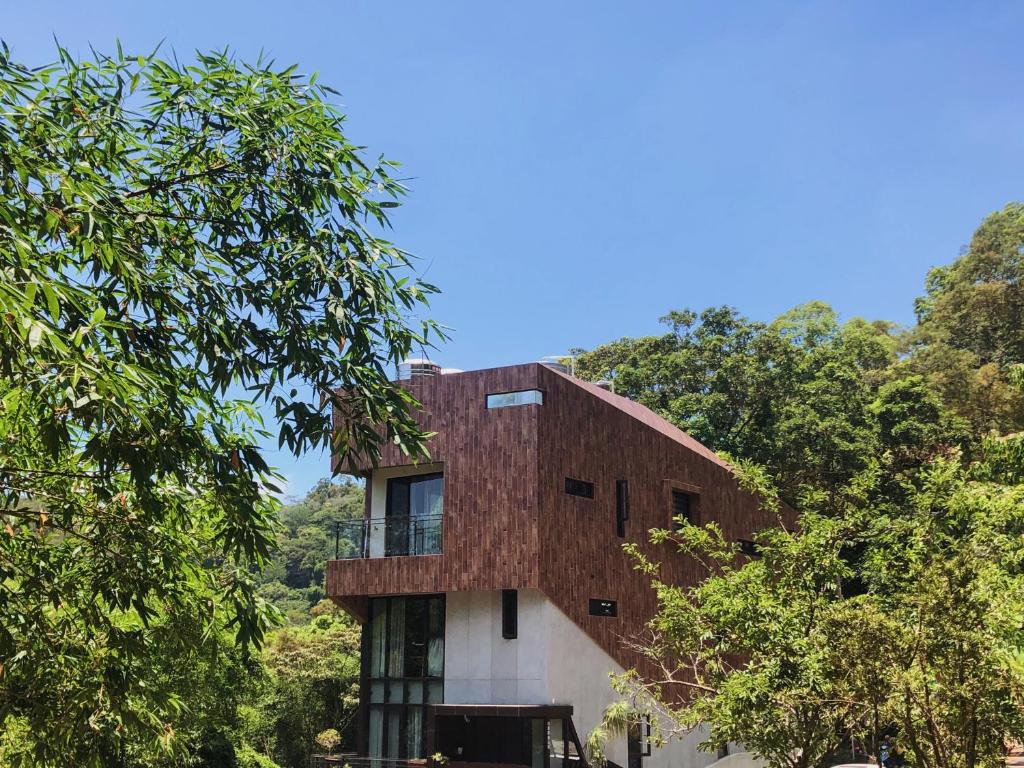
(1015, 756)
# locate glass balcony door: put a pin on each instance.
(415, 507)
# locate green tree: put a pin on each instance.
(971, 325)
(792, 395)
(747, 651)
(914, 427)
(777, 653)
(312, 685)
(328, 740)
(183, 247)
(211, 678)
(943, 618)
(193, 661)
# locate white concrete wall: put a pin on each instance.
(480, 666)
(552, 661)
(378, 487)
(579, 674)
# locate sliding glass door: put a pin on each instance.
(415, 506)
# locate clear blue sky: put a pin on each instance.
(579, 169)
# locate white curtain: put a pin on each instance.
(396, 638)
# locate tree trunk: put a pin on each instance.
(971, 748)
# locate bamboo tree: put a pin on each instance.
(192, 260)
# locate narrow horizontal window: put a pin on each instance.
(603, 607)
(576, 487)
(522, 397)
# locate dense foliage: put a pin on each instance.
(259, 710)
(805, 396)
(308, 683)
(779, 654)
(969, 325)
(897, 607)
(184, 247)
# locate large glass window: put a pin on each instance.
(416, 495)
(415, 507)
(405, 672)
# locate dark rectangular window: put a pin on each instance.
(509, 614)
(621, 507)
(638, 742)
(748, 548)
(603, 608)
(681, 508)
(579, 488)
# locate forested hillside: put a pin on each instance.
(293, 580)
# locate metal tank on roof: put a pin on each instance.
(418, 368)
(562, 363)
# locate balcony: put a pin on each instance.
(390, 536)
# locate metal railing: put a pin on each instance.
(389, 537)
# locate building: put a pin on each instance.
(491, 583)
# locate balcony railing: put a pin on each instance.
(389, 537)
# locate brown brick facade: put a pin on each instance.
(508, 522)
